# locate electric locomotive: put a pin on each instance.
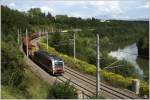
(52, 63)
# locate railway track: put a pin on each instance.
(87, 93)
(105, 88)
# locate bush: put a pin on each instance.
(144, 89)
(12, 65)
(109, 77)
(62, 91)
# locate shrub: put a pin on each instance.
(62, 91)
(12, 65)
(144, 89)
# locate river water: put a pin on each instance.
(130, 54)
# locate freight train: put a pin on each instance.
(51, 63)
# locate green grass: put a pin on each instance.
(36, 88)
(10, 93)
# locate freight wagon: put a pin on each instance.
(31, 48)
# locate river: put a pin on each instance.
(130, 54)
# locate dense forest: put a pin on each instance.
(114, 34)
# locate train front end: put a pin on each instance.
(58, 66)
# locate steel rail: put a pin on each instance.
(85, 90)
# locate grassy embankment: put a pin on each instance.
(36, 88)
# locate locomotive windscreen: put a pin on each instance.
(59, 63)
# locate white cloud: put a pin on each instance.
(120, 17)
(111, 8)
(146, 5)
(47, 9)
(72, 2)
(99, 3)
(101, 7)
(114, 7)
(12, 5)
(33, 7)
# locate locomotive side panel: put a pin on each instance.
(42, 59)
(55, 66)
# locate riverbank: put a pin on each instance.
(130, 54)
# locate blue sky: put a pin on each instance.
(107, 9)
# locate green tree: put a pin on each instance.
(35, 12)
(143, 46)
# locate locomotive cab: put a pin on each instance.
(58, 66)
